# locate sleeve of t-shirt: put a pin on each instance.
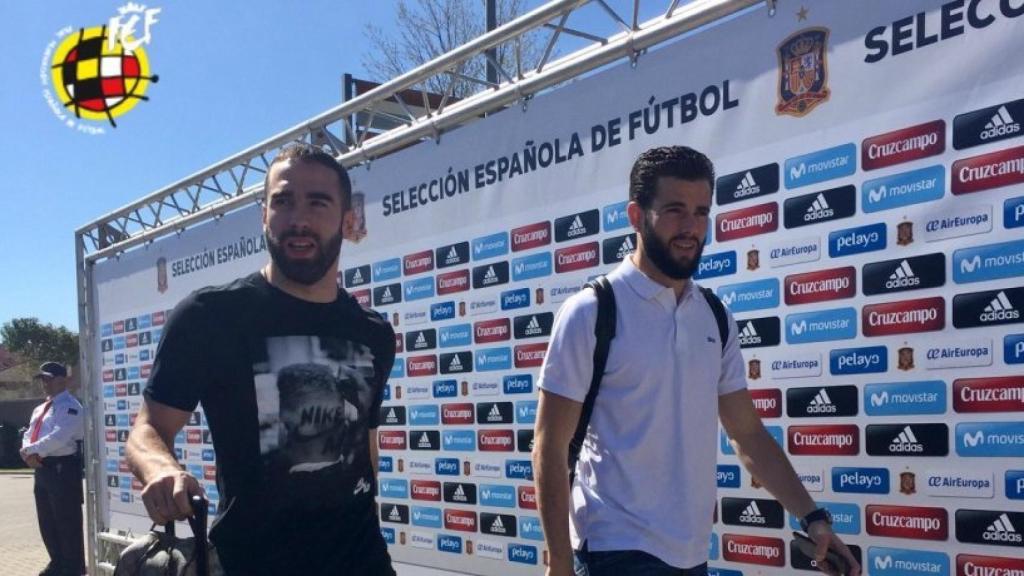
(179, 372)
(383, 360)
(733, 377)
(569, 362)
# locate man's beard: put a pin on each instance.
(660, 254)
(306, 272)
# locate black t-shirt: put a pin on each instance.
(290, 389)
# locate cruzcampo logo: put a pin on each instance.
(99, 73)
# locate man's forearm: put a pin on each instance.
(552, 482)
(148, 454)
(765, 460)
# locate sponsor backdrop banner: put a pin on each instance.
(867, 233)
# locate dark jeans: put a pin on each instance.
(628, 563)
(58, 494)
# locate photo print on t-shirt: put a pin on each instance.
(312, 398)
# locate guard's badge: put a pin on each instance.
(803, 72)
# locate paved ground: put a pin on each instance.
(21, 549)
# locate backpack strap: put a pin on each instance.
(604, 330)
(720, 316)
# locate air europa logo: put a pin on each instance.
(904, 145)
(746, 222)
(904, 317)
(821, 285)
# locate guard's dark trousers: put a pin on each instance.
(58, 491)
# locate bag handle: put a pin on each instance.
(197, 521)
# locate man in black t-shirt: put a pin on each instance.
(290, 371)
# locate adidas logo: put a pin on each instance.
(452, 257)
(906, 441)
(625, 249)
(357, 278)
(386, 296)
(424, 441)
(421, 341)
(822, 404)
(818, 209)
(494, 415)
(491, 276)
(395, 515)
(752, 514)
(533, 328)
(747, 186)
(455, 365)
(999, 309)
(498, 527)
(903, 277)
(749, 336)
(576, 228)
(391, 416)
(459, 495)
(1002, 531)
(1001, 124)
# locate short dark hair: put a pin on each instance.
(673, 161)
(314, 155)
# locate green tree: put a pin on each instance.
(40, 342)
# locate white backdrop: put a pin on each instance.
(880, 185)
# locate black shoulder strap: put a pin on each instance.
(720, 316)
(604, 330)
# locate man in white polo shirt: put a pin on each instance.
(644, 494)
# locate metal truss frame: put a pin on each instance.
(237, 180)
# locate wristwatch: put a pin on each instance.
(814, 516)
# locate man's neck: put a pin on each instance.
(644, 264)
(324, 290)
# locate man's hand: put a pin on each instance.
(32, 460)
(168, 496)
(825, 538)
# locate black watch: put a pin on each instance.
(814, 516)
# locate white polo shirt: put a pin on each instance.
(646, 475)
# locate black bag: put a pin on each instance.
(604, 330)
(162, 554)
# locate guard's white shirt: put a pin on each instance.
(60, 430)
(646, 478)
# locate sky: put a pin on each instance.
(232, 73)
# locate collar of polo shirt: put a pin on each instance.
(649, 289)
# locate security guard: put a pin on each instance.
(50, 446)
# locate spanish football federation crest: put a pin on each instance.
(803, 72)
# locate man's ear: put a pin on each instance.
(635, 214)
